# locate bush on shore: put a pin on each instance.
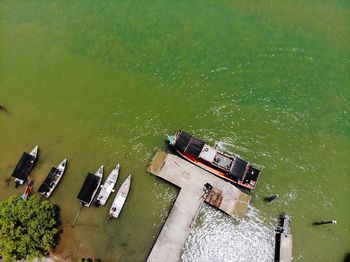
(28, 228)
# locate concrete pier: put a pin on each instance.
(285, 254)
(284, 238)
(191, 180)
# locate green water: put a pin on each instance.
(102, 82)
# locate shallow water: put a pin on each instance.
(101, 83)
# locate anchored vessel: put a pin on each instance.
(90, 187)
(108, 187)
(25, 166)
(28, 190)
(120, 199)
(52, 179)
(229, 167)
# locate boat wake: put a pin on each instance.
(224, 146)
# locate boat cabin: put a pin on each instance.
(50, 181)
(87, 190)
(23, 168)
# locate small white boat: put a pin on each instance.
(119, 199)
(52, 179)
(108, 187)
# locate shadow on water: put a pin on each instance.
(58, 225)
(4, 109)
(277, 247)
(7, 182)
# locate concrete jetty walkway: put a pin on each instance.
(284, 240)
(191, 180)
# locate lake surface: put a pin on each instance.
(103, 82)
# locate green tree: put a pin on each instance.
(28, 228)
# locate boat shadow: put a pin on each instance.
(8, 182)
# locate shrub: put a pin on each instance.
(28, 228)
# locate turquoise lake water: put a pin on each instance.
(103, 82)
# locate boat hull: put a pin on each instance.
(120, 199)
(212, 170)
(108, 187)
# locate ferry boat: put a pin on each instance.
(229, 167)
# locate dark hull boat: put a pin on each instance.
(25, 166)
(52, 179)
(229, 167)
(91, 184)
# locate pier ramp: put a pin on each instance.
(191, 180)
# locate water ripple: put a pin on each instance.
(218, 237)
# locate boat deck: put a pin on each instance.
(50, 181)
(24, 166)
(191, 180)
(90, 184)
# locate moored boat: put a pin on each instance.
(91, 184)
(229, 167)
(25, 166)
(108, 187)
(28, 190)
(52, 179)
(119, 199)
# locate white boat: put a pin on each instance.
(119, 199)
(108, 187)
(52, 179)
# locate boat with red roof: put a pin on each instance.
(229, 167)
